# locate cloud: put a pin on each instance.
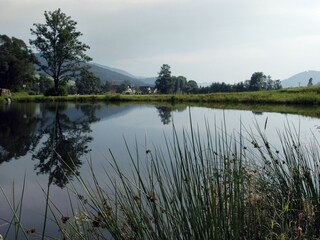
(206, 40)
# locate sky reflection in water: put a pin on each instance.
(86, 132)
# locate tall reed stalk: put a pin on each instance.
(219, 186)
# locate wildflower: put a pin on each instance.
(97, 221)
(30, 231)
(64, 219)
(136, 198)
(152, 198)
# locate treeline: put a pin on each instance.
(258, 81)
(167, 84)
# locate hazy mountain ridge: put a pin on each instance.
(114, 75)
(301, 79)
(117, 76)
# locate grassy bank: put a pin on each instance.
(307, 95)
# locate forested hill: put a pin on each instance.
(116, 76)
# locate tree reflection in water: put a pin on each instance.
(17, 130)
(64, 139)
(165, 112)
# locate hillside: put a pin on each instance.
(116, 76)
(301, 79)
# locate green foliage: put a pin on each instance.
(16, 63)
(106, 87)
(88, 83)
(259, 81)
(180, 84)
(255, 83)
(41, 84)
(192, 87)
(61, 91)
(123, 86)
(164, 82)
(57, 40)
(167, 84)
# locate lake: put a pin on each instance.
(83, 133)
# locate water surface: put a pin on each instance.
(31, 135)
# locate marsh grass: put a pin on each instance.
(219, 186)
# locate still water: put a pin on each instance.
(86, 132)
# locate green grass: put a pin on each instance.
(307, 95)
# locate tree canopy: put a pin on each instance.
(164, 82)
(16, 63)
(258, 81)
(88, 83)
(58, 42)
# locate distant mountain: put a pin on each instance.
(302, 79)
(114, 75)
(123, 72)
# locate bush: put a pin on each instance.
(62, 91)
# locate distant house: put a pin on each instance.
(130, 91)
(5, 92)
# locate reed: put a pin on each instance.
(219, 186)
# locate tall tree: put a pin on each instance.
(180, 84)
(88, 83)
(16, 63)
(192, 86)
(58, 42)
(256, 81)
(164, 82)
(310, 83)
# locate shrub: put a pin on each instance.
(62, 91)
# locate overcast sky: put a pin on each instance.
(203, 40)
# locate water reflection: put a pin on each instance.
(62, 139)
(17, 130)
(165, 112)
(257, 113)
(58, 135)
(48, 133)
